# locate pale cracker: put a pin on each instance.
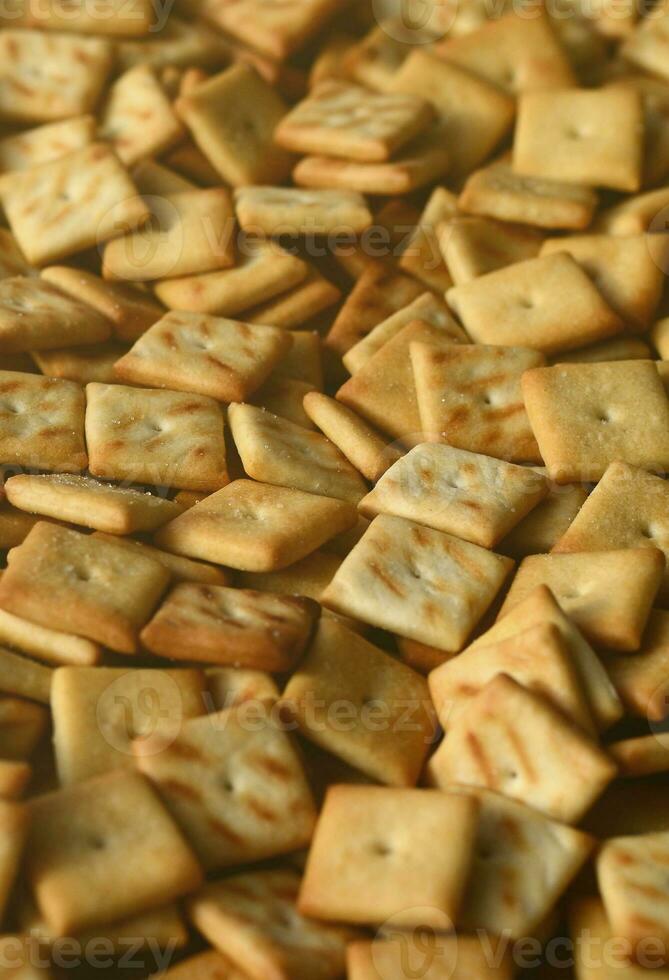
(85, 501)
(232, 118)
(631, 872)
(49, 645)
(180, 44)
(470, 397)
(298, 305)
(585, 416)
(421, 255)
(608, 594)
(12, 261)
(23, 677)
(81, 364)
(111, 18)
(641, 680)
(230, 686)
(342, 666)
(646, 48)
(137, 118)
(418, 582)
(54, 579)
(225, 359)
(645, 755)
(276, 31)
(475, 497)
(66, 205)
(34, 315)
(544, 526)
(238, 627)
(181, 569)
(180, 434)
(293, 211)
(274, 450)
(285, 397)
(497, 740)
(433, 956)
(189, 161)
(474, 246)
(256, 527)
(590, 929)
(393, 866)
(24, 150)
(622, 348)
(152, 178)
(547, 303)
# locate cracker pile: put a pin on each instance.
(334, 433)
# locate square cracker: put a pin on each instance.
(635, 215)
(421, 162)
(30, 147)
(473, 246)
(285, 397)
(225, 359)
(417, 582)
(540, 608)
(46, 77)
(470, 397)
(48, 645)
(276, 30)
(181, 569)
(628, 508)
(632, 874)
(421, 256)
(130, 310)
(41, 422)
(180, 435)
(256, 527)
(263, 271)
(239, 627)
(608, 594)
(82, 500)
(24, 678)
(432, 957)
(496, 191)
(137, 118)
(506, 894)
(393, 866)
(547, 303)
(99, 711)
(585, 416)
(275, 450)
(539, 658)
(58, 208)
(472, 115)
(78, 847)
(294, 211)
(230, 686)
(237, 789)
(34, 315)
(12, 260)
(645, 755)
(94, 362)
(298, 305)
(83, 585)
(586, 136)
(343, 120)
(642, 681)
(342, 666)
(189, 233)
(232, 118)
(514, 741)
(253, 918)
(14, 819)
(475, 497)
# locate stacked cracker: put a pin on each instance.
(311, 328)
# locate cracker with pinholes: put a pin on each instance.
(188, 234)
(240, 627)
(23, 677)
(547, 303)
(293, 211)
(34, 315)
(181, 569)
(397, 865)
(362, 446)
(50, 76)
(83, 585)
(475, 497)
(417, 582)
(58, 208)
(628, 271)
(497, 740)
(627, 509)
(274, 450)
(380, 740)
(264, 270)
(137, 118)
(225, 359)
(256, 527)
(130, 311)
(473, 246)
(586, 136)
(51, 646)
(82, 500)
(608, 594)
(12, 261)
(421, 255)
(470, 397)
(275, 31)
(180, 435)
(427, 307)
(505, 895)
(472, 115)
(81, 364)
(298, 305)
(237, 790)
(99, 711)
(585, 416)
(497, 192)
(344, 120)
(14, 820)
(253, 918)
(431, 956)
(642, 680)
(42, 422)
(78, 846)
(24, 150)
(232, 118)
